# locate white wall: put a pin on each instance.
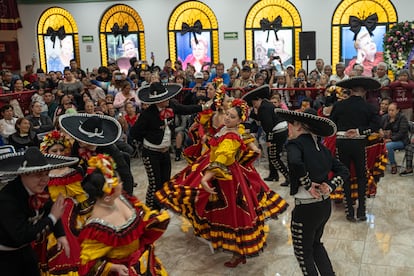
(316, 16)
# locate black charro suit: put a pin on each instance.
(19, 226)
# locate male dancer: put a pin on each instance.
(356, 120)
(276, 130)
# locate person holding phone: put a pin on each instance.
(125, 96)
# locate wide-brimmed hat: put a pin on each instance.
(156, 92)
(319, 126)
(92, 129)
(365, 82)
(261, 92)
(32, 161)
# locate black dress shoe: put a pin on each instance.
(362, 218)
(271, 178)
(285, 184)
(350, 218)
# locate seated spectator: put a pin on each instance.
(383, 110)
(40, 123)
(125, 96)
(101, 107)
(7, 81)
(24, 137)
(395, 133)
(89, 107)
(8, 122)
(95, 91)
(382, 77)
(65, 105)
(402, 93)
(277, 101)
(38, 97)
(50, 103)
(280, 83)
(131, 115)
(244, 82)
(198, 80)
(84, 98)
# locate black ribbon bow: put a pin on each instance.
(195, 29)
(356, 23)
(116, 31)
(60, 33)
(275, 25)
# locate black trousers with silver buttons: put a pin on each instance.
(158, 168)
(308, 222)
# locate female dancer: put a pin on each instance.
(118, 237)
(65, 181)
(229, 212)
(207, 123)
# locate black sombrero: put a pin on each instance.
(156, 92)
(261, 92)
(319, 126)
(92, 129)
(365, 82)
(32, 161)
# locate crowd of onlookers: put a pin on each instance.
(111, 91)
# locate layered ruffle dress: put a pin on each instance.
(376, 162)
(130, 244)
(54, 261)
(233, 219)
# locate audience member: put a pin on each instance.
(395, 133)
(24, 137)
(402, 93)
(40, 123)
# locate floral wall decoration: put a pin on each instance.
(399, 46)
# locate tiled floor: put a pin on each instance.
(384, 245)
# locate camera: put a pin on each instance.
(276, 57)
(299, 79)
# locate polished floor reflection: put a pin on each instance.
(384, 245)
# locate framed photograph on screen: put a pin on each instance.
(126, 47)
(191, 52)
(58, 56)
(366, 50)
(266, 46)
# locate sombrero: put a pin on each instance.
(156, 92)
(92, 129)
(261, 92)
(32, 161)
(365, 82)
(319, 126)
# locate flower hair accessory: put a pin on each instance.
(106, 165)
(220, 92)
(243, 106)
(53, 138)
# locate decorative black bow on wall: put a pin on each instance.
(275, 25)
(356, 23)
(195, 29)
(116, 31)
(60, 33)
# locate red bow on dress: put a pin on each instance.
(166, 113)
(37, 201)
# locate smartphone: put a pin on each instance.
(152, 55)
(234, 60)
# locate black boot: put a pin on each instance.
(361, 212)
(349, 209)
(178, 156)
(273, 174)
